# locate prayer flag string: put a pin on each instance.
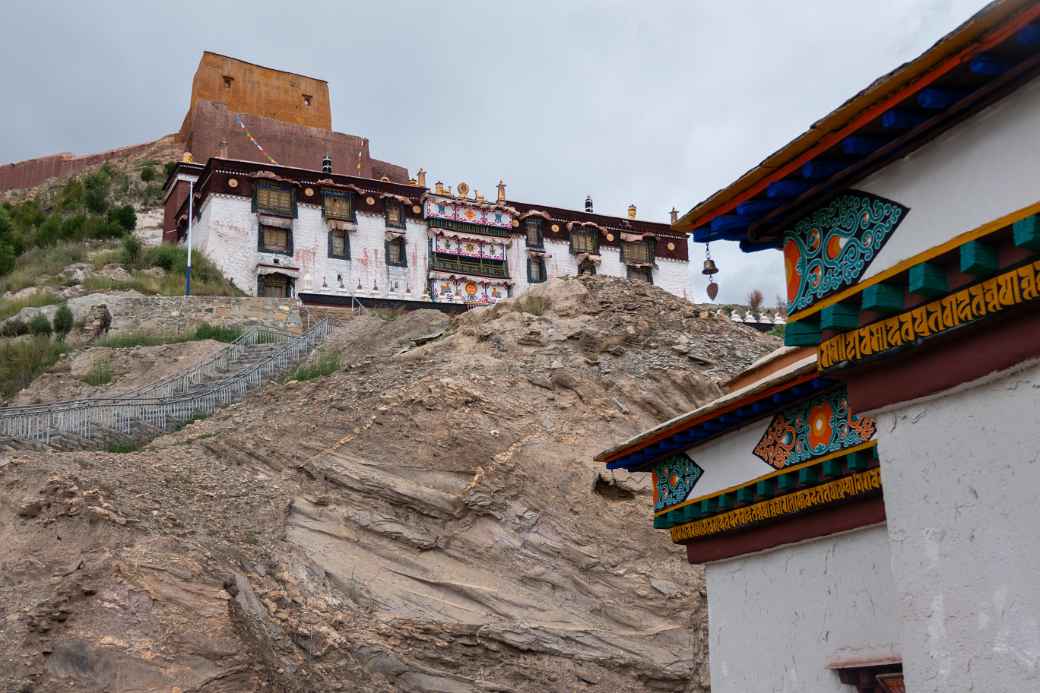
(252, 139)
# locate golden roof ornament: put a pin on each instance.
(501, 192)
(463, 189)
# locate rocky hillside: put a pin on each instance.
(426, 518)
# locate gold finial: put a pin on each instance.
(420, 178)
(187, 158)
(438, 188)
(478, 195)
(674, 214)
(631, 211)
(501, 192)
(463, 189)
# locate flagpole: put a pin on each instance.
(191, 214)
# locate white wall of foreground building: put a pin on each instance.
(778, 619)
(981, 170)
(961, 475)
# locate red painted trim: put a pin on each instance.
(958, 358)
(820, 523)
(873, 112)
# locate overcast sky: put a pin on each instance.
(654, 103)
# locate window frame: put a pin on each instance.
(536, 224)
(540, 263)
(346, 244)
(290, 285)
(387, 205)
(648, 273)
(651, 250)
(262, 248)
(402, 260)
(343, 195)
(582, 231)
(290, 212)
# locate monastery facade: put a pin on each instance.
(862, 500)
(335, 239)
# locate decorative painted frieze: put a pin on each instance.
(674, 479)
(465, 247)
(831, 248)
(971, 304)
(435, 208)
(453, 289)
(815, 427)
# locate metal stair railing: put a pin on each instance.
(90, 418)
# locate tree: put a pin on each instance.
(131, 250)
(63, 321)
(148, 173)
(7, 259)
(754, 301)
(96, 189)
(125, 216)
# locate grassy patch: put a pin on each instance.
(36, 263)
(11, 307)
(533, 304)
(124, 446)
(326, 363)
(199, 415)
(21, 360)
(100, 373)
(136, 339)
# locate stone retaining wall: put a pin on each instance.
(181, 313)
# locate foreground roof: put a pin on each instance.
(979, 62)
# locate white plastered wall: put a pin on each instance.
(777, 620)
(729, 459)
(961, 474)
(982, 169)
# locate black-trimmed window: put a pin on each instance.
(584, 241)
(339, 244)
(641, 274)
(274, 286)
(275, 239)
(393, 210)
(338, 205)
(395, 253)
(536, 270)
(533, 228)
(274, 198)
(638, 252)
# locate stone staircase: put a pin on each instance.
(258, 356)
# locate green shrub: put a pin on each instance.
(124, 445)
(326, 363)
(96, 190)
(23, 360)
(7, 258)
(14, 328)
(125, 217)
(218, 332)
(11, 307)
(131, 251)
(168, 168)
(148, 173)
(39, 325)
(100, 373)
(62, 321)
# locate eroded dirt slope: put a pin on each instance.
(428, 518)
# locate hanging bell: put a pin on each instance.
(709, 267)
(713, 288)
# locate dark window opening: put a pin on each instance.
(275, 239)
(307, 99)
(638, 252)
(395, 253)
(336, 205)
(394, 214)
(274, 286)
(587, 267)
(533, 229)
(274, 199)
(228, 79)
(535, 270)
(641, 274)
(584, 241)
(339, 244)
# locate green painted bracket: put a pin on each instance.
(839, 317)
(928, 280)
(883, 298)
(978, 258)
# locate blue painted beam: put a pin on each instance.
(704, 235)
(988, 65)
(901, 119)
(786, 189)
(756, 208)
(861, 145)
(1029, 35)
(936, 99)
(818, 169)
(749, 247)
(728, 222)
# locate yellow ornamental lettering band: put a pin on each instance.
(831, 492)
(967, 305)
